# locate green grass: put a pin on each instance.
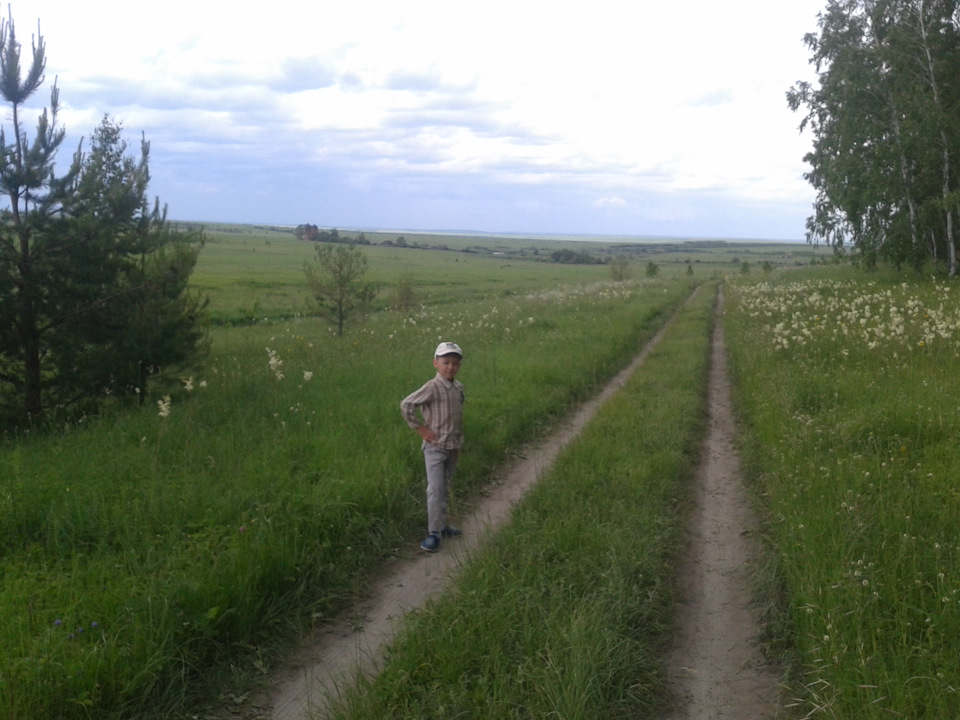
(140, 551)
(252, 274)
(148, 560)
(850, 403)
(565, 611)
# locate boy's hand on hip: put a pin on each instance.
(427, 434)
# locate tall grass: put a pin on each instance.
(851, 405)
(139, 551)
(565, 612)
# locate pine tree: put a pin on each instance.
(90, 275)
(334, 283)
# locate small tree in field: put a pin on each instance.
(92, 281)
(406, 292)
(334, 283)
(652, 269)
(619, 268)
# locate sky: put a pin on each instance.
(608, 117)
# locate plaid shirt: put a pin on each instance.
(441, 404)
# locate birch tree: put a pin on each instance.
(884, 117)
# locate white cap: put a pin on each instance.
(448, 348)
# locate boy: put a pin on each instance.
(440, 402)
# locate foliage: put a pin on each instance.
(406, 292)
(885, 117)
(619, 268)
(93, 282)
(306, 231)
(652, 269)
(334, 284)
(312, 233)
(849, 399)
(573, 258)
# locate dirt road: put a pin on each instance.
(716, 625)
(716, 670)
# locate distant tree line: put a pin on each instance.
(884, 113)
(570, 257)
(311, 233)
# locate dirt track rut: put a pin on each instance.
(717, 671)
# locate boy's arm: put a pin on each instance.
(408, 408)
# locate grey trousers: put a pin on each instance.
(440, 465)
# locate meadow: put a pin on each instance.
(568, 610)
(252, 274)
(849, 402)
(157, 557)
(153, 554)
(849, 405)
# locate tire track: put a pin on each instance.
(716, 670)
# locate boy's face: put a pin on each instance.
(448, 366)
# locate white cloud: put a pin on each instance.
(515, 106)
(610, 203)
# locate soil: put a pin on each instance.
(716, 670)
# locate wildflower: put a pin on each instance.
(203, 384)
(307, 376)
(276, 364)
(188, 384)
(164, 406)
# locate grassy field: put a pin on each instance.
(567, 610)
(146, 548)
(252, 274)
(155, 555)
(850, 403)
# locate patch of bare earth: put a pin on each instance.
(717, 671)
(712, 639)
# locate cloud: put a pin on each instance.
(561, 119)
(714, 97)
(414, 81)
(305, 73)
(610, 203)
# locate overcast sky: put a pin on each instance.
(618, 117)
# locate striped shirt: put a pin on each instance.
(440, 403)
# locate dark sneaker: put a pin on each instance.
(430, 543)
(449, 532)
